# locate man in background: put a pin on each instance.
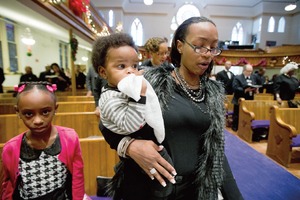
(226, 77)
(260, 78)
(28, 76)
(45, 73)
(241, 88)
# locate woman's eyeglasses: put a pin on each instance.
(204, 50)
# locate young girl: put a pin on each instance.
(128, 104)
(44, 162)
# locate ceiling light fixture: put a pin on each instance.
(291, 6)
(27, 38)
(148, 2)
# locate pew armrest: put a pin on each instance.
(280, 138)
(245, 120)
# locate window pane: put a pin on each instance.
(12, 47)
(271, 25)
(60, 55)
(66, 56)
(111, 18)
(137, 32)
(10, 32)
(12, 51)
(281, 25)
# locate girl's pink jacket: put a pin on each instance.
(70, 155)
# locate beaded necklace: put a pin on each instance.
(193, 95)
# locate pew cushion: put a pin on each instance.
(296, 141)
(260, 124)
(100, 198)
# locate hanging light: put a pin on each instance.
(290, 7)
(148, 2)
(27, 38)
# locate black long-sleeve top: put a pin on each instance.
(286, 86)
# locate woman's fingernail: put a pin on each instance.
(152, 178)
(174, 173)
(163, 184)
(173, 181)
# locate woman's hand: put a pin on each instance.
(278, 99)
(145, 154)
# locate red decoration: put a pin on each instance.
(242, 61)
(78, 6)
(74, 47)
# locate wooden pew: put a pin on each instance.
(253, 110)
(59, 99)
(284, 127)
(6, 95)
(70, 106)
(228, 104)
(79, 92)
(1, 170)
(264, 96)
(85, 124)
(76, 106)
(98, 158)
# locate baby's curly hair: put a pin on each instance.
(103, 44)
(152, 44)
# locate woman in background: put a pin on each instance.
(286, 84)
(157, 49)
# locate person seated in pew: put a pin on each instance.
(260, 78)
(44, 162)
(62, 81)
(128, 103)
(29, 76)
(44, 74)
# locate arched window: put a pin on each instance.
(111, 18)
(186, 11)
(271, 25)
(281, 25)
(137, 32)
(259, 24)
(238, 33)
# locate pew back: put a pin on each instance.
(284, 125)
(84, 123)
(253, 110)
(59, 99)
(99, 160)
(264, 96)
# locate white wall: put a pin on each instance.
(44, 52)
(158, 24)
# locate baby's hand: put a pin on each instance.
(144, 88)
